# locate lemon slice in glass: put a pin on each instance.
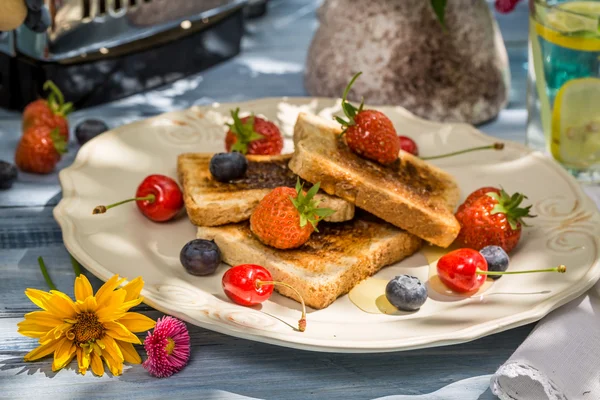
(574, 25)
(576, 123)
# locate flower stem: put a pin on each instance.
(302, 322)
(76, 266)
(560, 269)
(103, 209)
(495, 146)
(45, 273)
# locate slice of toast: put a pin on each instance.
(411, 193)
(332, 262)
(212, 203)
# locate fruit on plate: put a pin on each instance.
(408, 145)
(51, 112)
(13, 14)
(369, 133)
(158, 197)
(40, 149)
(88, 129)
(285, 218)
(200, 257)
(8, 175)
(225, 167)
(406, 293)
(465, 270)
(496, 258)
(250, 284)
(494, 218)
(253, 135)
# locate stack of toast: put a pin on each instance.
(382, 213)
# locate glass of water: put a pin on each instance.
(563, 96)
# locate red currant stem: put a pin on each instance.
(495, 146)
(103, 209)
(560, 269)
(302, 322)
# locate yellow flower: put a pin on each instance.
(93, 328)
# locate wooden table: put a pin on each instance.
(223, 367)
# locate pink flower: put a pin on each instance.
(168, 347)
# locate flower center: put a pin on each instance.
(170, 346)
(87, 328)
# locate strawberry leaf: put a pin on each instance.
(307, 206)
(439, 8)
(509, 206)
(58, 141)
(243, 131)
(349, 110)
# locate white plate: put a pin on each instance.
(110, 167)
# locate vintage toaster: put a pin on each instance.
(101, 50)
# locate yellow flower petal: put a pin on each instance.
(97, 367)
(83, 288)
(63, 354)
(108, 311)
(118, 331)
(60, 305)
(41, 351)
(88, 305)
(43, 318)
(104, 292)
(55, 333)
(136, 322)
(32, 329)
(83, 360)
(134, 288)
(115, 367)
(130, 354)
(111, 347)
(127, 305)
(37, 297)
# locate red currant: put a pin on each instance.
(408, 145)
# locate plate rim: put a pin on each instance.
(69, 195)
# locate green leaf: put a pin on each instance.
(324, 212)
(298, 185)
(439, 8)
(303, 220)
(313, 190)
(342, 121)
(348, 108)
(59, 142)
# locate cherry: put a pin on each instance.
(158, 197)
(465, 270)
(251, 284)
(408, 145)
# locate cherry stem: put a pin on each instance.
(103, 209)
(495, 146)
(560, 269)
(302, 322)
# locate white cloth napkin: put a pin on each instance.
(560, 359)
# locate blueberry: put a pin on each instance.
(406, 293)
(89, 129)
(38, 21)
(200, 257)
(34, 5)
(496, 258)
(225, 167)
(8, 175)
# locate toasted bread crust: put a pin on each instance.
(411, 194)
(329, 265)
(212, 203)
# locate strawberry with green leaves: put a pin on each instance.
(51, 112)
(492, 217)
(286, 217)
(253, 135)
(40, 149)
(369, 133)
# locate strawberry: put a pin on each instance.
(492, 219)
(369, 133)
(253, 135)
(51, 112)
(286, 217)
(477, 194)
(40, 149)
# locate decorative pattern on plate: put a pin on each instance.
(192, 127)
(562, 219)
(180, 297)
(243, 317)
